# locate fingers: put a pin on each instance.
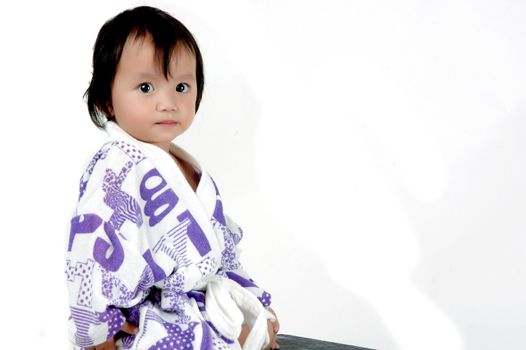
(273, 345)
(129, 328)
(107, 345)
(110, 343)
(272, 336)
(273, 329)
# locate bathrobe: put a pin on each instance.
(145, 248)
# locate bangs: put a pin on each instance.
(165, 47)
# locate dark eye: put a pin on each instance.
(182, 87)
(146, 88)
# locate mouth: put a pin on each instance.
(167, 122)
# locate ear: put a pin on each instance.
(109, 108)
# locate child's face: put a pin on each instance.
(145, 104)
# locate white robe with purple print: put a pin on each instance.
(144, 247)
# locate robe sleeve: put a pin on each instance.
(232, 268)
(105, 270)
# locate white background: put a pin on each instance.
(373, 151)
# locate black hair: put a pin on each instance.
(166, 33)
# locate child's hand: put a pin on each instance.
(110, 343)
(273, 329)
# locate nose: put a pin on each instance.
(167, 101)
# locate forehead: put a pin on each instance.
(141, 54)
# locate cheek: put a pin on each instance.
(190, 102)
(131, 106)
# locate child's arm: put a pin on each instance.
(273, 329)
(106, 269)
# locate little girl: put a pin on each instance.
(152, 260)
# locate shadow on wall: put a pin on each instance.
(314, 305)
(473, 256)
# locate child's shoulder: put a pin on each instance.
(113, 154)
(116, 151)
(110, 164)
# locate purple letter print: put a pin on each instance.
(195, 233)
(86, 223)
(168, 199)
(124, 206)
(114, 261)
(158, 272)
(83, 271)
